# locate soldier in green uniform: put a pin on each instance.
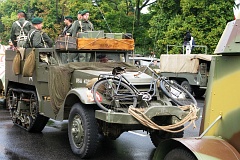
(68, 24)
(16, 27)
(75, 25)
(81, 25)
(86, 24)
(65, 56)
(36, 37)
(73, 57)
(39, 39)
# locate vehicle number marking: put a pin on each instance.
(79, 80)
(99, 98)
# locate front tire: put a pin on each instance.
(199, 92)
(157, 136)
(180, 154)
(82, 131)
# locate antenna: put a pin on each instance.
(96, 5)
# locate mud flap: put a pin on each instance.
(205, 148)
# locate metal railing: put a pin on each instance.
(183, 46)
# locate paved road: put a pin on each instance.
(52, 143)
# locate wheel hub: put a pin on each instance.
(77, 131)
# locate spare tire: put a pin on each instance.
(187, 86)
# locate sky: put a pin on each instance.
(145, 10)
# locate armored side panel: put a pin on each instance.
(223, 99)
(37, 82)
(230, 39)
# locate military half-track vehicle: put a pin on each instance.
(189, 70)
(61, 92)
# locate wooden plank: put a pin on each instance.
(105, 44)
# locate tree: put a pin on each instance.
(206, 21)
(166, 23)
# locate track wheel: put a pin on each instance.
(12, 104)
(36, 121)
(82, 131)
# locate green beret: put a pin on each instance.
(68, 17)
(85, 11)
(79, 12)
(22, 11)
(37, 20)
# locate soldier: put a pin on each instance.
(86, 24)
(68, 24)
(81, 25)
(39, 39)
(65, 56)
(36, 37)
(21, 27)
(188, 42)
(75, 25)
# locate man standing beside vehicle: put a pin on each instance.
(20, 29)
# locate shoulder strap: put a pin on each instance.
(44, 43)
(18, 24)
(25, 22)
(29, 37)
(80, 23)
(91, 25)
(21, 31)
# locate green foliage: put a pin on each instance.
(205, 20)
(165, 25)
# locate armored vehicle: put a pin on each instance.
(37, 90)
(220, 129)
(190, 71)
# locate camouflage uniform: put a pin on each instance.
(38, 39)
(15, 31)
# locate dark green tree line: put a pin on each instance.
(165, 24)
(205, 20)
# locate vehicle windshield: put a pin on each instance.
(64, 58)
